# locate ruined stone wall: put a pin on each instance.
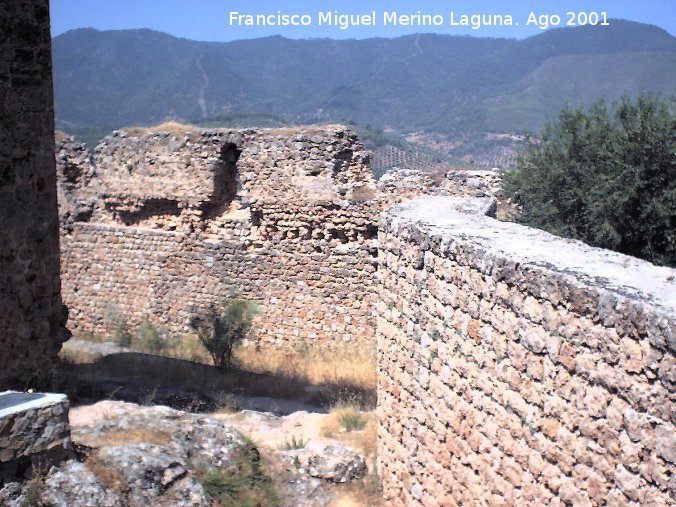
(31, 316)
(34, 434)
(162, 226)
(405, 184)
(519, 368)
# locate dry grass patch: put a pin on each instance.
(306, 130)
(172, 127)
(91, 337)
(507, 211)
(355, 427)
(111, 478)
(77, 356)
(367, 439)
(353, 365)
(344, 417)
(59, 136)
(319, 375)
(136, 436)
(190, 348)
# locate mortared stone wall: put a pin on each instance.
(32, 317)
(520, 368)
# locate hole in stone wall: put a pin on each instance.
(83, 214)
(338, 234)
(341, 162)
(370, 232)
(256, 217)
(226, 182)
(71, 173)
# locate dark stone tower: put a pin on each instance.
(32, 317)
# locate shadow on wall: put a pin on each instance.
(226, 182)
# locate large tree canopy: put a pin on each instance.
(606, 176)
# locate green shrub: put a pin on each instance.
(118, 325)
(220, 329)
(295, 443)
(606, 176)
(32, 493)
(121, 335)
(150, 338)
(352, 420)
(243, 483)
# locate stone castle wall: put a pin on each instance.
(31, 314)
(162, 226)
(519, 368)
(34, 434)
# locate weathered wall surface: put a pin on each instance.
(31, 317)
(163, 226)
(518, 368)
(34, 434)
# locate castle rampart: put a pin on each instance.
(520, 368)
(161, 226)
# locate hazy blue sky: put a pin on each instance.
(209, 19)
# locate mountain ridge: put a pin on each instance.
(455, 85)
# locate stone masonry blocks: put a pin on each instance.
(34, 434)
(519, 368)
(163, 225)
(32, 318)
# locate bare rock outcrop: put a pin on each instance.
(138, 455)
(133, 455)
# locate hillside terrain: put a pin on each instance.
(463, 89)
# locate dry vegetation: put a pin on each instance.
(353, 426)
(368, 491)
(356, 428)
(59, 135)
(172, 127)
(308, 130)
(179, 129)
(353, 364)
(71, 355)
(364, 493)
(348, 423)
(135, 436)
(111, 478)
(188, 347)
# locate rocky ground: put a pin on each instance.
(128, 455)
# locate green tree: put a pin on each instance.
(220, 329)
(606, 176)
